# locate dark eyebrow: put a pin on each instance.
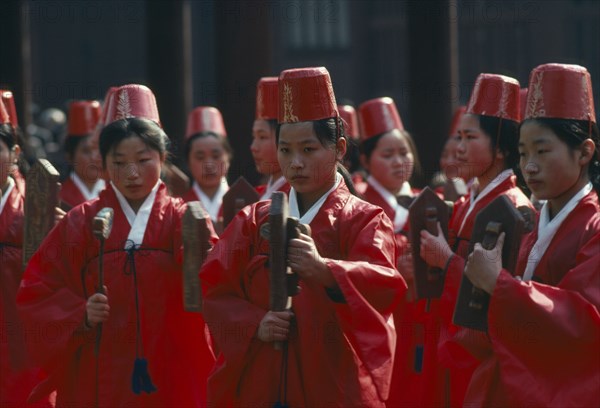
(536, 142)
(142, 151)
(301, 142)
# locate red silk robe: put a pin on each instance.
(413, 373)
(63, 274)
(340, 352)
(70, 194)
(544, 335)
(17, 377)
(454, 363)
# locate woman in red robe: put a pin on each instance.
(263, 147)
(208, 156)
(488, 151)
(389, 155)
(151, 352)
(84, 181)
(544, 325)
(352, 158)
(17, 376)
(339, 331)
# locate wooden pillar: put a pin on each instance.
(15, 51)
(243, 32)
(433, 76)
(168, 44)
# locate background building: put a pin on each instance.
(424, 54)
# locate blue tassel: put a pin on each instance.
(280, 405)
(418, 359)
(140, 379)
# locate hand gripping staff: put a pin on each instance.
(102, 226)
(280, 229)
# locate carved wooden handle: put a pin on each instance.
(294, 228)
(492, 232)
(239, 204)
(102, 224)
(431, 222)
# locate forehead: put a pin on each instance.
(208, 143)
(468, 122)
(261, 125)
(532, 132)
(301, 132)
(130, 145)
(85, 142)
(393, 140)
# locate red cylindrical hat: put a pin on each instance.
(4, 116)
(306, 94)
(106, 103)
(348, 114)
(205, 119)
(9, 104)
(378, 116)
(522, 102)
(267, 102)
(83, 117)
(131, 101)
(495, 95)
(458, 114)
(560, 91)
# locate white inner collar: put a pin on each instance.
(547, 228)
(5, 194)
(212, 205)
(499, 179)
(272, 186)
(312, 211)
(401, 213)
(139, 221)
(87, 194)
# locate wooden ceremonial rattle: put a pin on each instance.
(280, 229)
(101, 228)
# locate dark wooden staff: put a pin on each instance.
(279, 231)
(102, 226)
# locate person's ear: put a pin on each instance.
(499, 154)
(588, 149)
(340, 148)
(16, 151)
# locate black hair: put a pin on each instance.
(368, 146)
(272, 123)
(72, 142)
(222, 139)
(8, 135)
(504, 136)
(12, 137)
(150, 133)
(353, 156)
(328, 131)
(573, 132)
